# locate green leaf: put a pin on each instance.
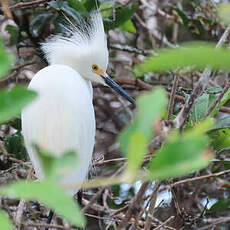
(123, 15)
(202, 106)
(55, 168)
(5, 60)
(5, 222)
(14, 33)
(91, 5)
(219, 206)
(220, 138)
(195, 55)
(49, 194)
(181, 154)
(150, 108)
(128, 26)
(12, 101)
(225, 98)
(39, 22)
(134, 139)
(221, 123)
(137, 148)
(77, 5)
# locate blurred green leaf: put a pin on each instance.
(150, 109)
(128, 26)
(14, 33)
(49, 194)
(224, 13)
(5, 222)
(5, 60)
(196, 55)
(123, 15)
(12, 101)
(39, 22)
(134, 139)
(55, 168)
(219, 206)
(182, 154)
(137, 148)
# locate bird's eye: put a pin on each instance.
(95, 67)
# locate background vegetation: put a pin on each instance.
(169, 168)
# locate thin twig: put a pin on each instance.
(199, 89)
(3, 149)
(172, 96)
(217, 101)
(19, 213)
(131, 49)
(217, 221)
(134, 206)
(153, 199)
(164, 223)
(95, 197)
(27, 4)
(42, 225)
(194, 179)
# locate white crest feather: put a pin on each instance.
(84, 46)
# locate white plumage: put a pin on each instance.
(62, 118)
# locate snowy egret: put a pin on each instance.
(62, 118)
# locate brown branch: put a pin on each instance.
(145, 86)
(96, 196)
(217, 221)
(134, 206)
(199, 89)
(194, 179)
(27, 4)
(172, 96)
(19, 213)
(5, 8)
(153, 199)
(131, 49)
(42, 225)
(3, 149)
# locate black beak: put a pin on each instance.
(118, 89)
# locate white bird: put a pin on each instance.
(62, 119)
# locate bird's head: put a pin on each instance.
(84, 48)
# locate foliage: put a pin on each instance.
(134, 140)
(179, 153)
(59, 201)
(176, 155)
(5, 222)
(5, 60)
(194, 55)
(12, 101)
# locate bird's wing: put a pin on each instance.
(61, 119)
